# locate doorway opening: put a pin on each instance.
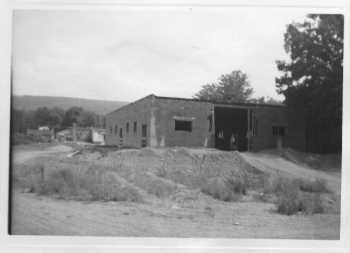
(231, 125)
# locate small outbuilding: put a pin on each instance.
(167, 121)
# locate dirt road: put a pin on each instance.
(276, 164)
(23, 155)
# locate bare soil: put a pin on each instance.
(178, 215)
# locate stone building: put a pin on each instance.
(166, 121)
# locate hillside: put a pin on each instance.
(97, 106)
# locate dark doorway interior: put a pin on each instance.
(228, 122)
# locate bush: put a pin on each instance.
(297, 202)
(311, 203)
(318, 185)
(288, 199)
(277, 184)
(295, 195)
(228, 189)
(237, 185)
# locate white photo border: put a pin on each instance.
(14, 243)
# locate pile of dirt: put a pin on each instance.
(165, 172)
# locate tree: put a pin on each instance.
(41, 117)
(71, 116)
(56, 116)
(312, 80)
(80, 117)
(232, 88)
(265, 100)
(88, 119)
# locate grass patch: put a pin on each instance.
(77, 183)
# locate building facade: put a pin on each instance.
(165, 121)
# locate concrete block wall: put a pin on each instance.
(267, 117)
(159, 114)
(163, 113)
(138, 112)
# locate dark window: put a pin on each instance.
(278, 131)
(183, 125)
(121, 132)
(144, 143)
(115, 130)
(111, 130)
(127, 127)
(144, 130)
(135, 127)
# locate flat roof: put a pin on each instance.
(218, 103)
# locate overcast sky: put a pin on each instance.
(127, 54)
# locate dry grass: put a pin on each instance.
(76, 183)
(137, 175)
(295, 195)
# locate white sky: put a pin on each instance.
(127, 54)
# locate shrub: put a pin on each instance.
(318, 185)
(238, 184)
(311, 203)
(220, 189)
(288, 201)
(292, 200)
(295, 195)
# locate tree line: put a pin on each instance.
(311, 81)
(55, 118)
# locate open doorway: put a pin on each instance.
(231, 122)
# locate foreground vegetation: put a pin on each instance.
(145, 175)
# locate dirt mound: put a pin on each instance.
(163, 172)
(173, 173)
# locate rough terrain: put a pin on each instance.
(176, 215)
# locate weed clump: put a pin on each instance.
(317, 186)
(229, 188)
(86, 184)
(295, 195)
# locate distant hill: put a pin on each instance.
(97, 106)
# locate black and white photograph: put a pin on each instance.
(177, 123)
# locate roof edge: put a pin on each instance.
(218, 102)
(131, 103)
